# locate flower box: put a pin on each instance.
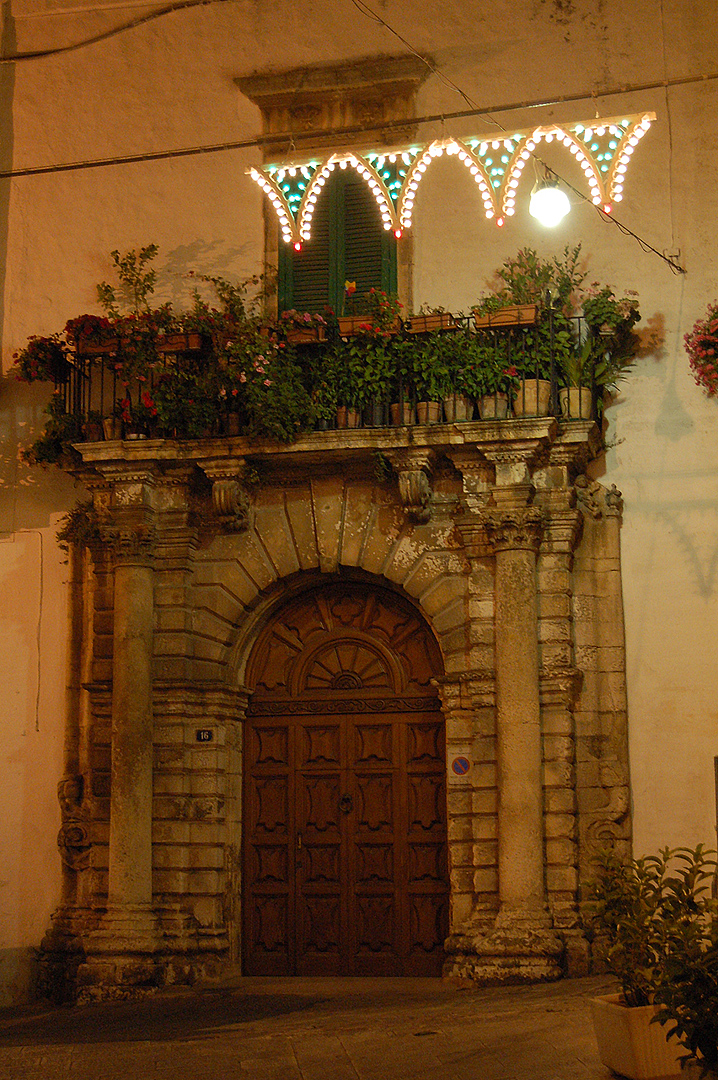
(362, 324)
(436, 320)
(179, 343)
(86, 346)
(304, 335)
(518, 315)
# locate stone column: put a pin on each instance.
(501, 521)
(130, 871)
(120, 961)
(515, 537)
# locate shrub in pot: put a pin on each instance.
(652, 918)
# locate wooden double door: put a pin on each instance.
(345, 863)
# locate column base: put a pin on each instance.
(520, 947)
(121, 960)
(136, 951)
(62, 952)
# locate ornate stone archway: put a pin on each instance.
(491, 530)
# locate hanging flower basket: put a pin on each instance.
(702, 348)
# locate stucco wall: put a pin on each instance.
(169, 84)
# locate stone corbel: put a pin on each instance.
(413, 468)
(229, 497)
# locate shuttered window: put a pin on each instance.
(348, 243)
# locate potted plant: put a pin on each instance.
(702, 348)
(613, 345)
(92, 335)
(429, 319)
(642, 913)
(431, 374)
(42, 359)
(380, 317)
(485, 376)
(303, 327)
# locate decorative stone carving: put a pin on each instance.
(513, 529)
(229, 496)
(75, 845)
(73, 839)
(596, 500)
(231, 504)
(134, 543)
(413, 469)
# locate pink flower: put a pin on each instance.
(267, 382)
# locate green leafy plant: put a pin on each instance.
(62, 429)
(80, 525)
(434, 366)
(647, 914)
(137, 282)
(526, 278)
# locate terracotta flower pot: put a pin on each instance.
(435, 320)
(304, 335)
(533, 398)
(428, 412)
(575, 402)
(348, 417)
(401, 415)
(458, 408)
(516, 315)
(112, 427)
(494, 406)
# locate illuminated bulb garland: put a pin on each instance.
(602, 150)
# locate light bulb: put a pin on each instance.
(549, 204)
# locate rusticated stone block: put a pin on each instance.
(561, 879)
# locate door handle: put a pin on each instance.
(346, 804)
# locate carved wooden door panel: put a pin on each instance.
(345, 809)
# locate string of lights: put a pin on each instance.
(474, 110)
(603, 213)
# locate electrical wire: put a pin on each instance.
(669, 260)
(473, 110)
(39, 54)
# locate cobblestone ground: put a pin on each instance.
(314, 1029)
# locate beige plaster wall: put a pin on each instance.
(169, 84)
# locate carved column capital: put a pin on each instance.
(514, 529)
(413, 468)
(130, 543)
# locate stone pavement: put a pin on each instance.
(314, 1029)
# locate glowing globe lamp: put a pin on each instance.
(549, 204)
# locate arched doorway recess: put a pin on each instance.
(345, 846)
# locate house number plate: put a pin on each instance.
(204, 735)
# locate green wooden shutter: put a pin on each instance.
(348, 242)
